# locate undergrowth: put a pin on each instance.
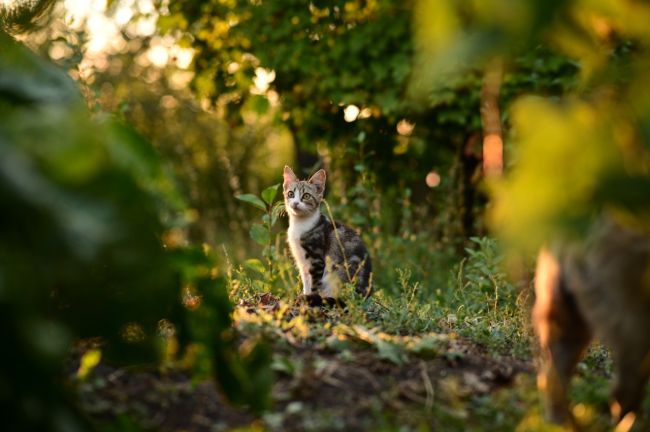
(420, 285)
(428, 303)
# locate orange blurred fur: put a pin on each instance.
(602, 289)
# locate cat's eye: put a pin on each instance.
(306, 196)
(290, 194)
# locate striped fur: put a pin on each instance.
(326, 253)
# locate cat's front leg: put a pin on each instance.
(305, 277)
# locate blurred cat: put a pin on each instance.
(599, 289)
(326, 252)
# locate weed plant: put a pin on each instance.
(421, 285)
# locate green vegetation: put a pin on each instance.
(85, 247)
(145, 281)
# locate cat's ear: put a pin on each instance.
(289, 177)
(318, 180)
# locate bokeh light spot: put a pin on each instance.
(433, 179)
(350, 113)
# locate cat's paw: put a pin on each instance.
(332, 302)
(315, 300)
(311, 300)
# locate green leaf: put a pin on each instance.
(283, 364)
(278, 209)
(269, 194)
(253, 200)
(258, 104)
(428, 346)
(255, 265)
(390, 351)
(260, 234)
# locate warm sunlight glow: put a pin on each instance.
(144, 26)
(405, 128)
(182, 56)
(433, 179)
(350, 113)
(59, 51)
(158, 55)
(103, 28)
(625, 425)
(492, 155)
(79, 10)
(123, 15)
(102, 32)
(263, 78)
(365, 113)
(233, 67)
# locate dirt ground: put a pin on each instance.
(330, 393)
(316, 388)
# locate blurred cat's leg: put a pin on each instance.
(632, 371)
(563, 335)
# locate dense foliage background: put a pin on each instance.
(141, 144)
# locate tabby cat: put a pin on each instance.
(326, 252)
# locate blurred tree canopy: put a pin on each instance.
(350, 79)
(325, 56)
(340, 75)
(577, 155)
(343, 82)
(383, 92)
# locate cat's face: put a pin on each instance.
(302, 198)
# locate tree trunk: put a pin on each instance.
(491, 119)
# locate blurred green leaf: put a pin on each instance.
(256, 265)
(260, 234)
(278, 209)
(36, 81)
(83, 199)
(429, 346)
(258, 104)
(550, 192)
(390, 351)
(253, 200)
(269, 194)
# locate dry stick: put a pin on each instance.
(427, 385)
(338, 240)
(229, 267)
(411, 394)
(371, 378)
(286, 280)
(371, 285)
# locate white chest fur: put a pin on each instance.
(297, 227)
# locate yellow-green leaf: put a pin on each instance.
(253, 200)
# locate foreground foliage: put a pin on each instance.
(89, 251)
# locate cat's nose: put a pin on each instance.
(294, 205)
